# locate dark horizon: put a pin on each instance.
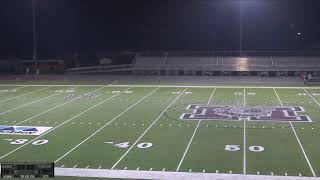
(95, 26)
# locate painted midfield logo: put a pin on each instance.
(23, 130)
(232, 113)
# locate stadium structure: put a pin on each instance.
(160, 114)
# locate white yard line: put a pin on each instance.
(25, 94)
(192, 137)
(190, 141)
(156, 120)
(312, 97)
(30, 103)
(126, 110)
(244, 136)
(298, 140)
(177, 86)
(62, 123)
(134, 174)
(55, 107)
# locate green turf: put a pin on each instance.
(137, 116)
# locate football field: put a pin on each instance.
(231, 130)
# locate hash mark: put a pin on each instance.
(99, 167)
(125, 168)
(150, 169)
(230, 172)
(190, 170)
(217, 171)
(271, 173)
(138, 168)
(62, 166)
(163, 169)
(204, 171)
(286, 174)
(75, 166)
(300, 174)
(87, 167)
(258, 173)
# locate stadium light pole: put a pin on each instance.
(240, 27)
(34, 58)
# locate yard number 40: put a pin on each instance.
(233, 148)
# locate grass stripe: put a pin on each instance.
(156, 120)
(55, 107)
(62, 123)
(29, 103)
(25, 94)
(192, 137)
(298, 140)
(105, 125)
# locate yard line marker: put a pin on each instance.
(194, 132)
(10, 90)
(14, 150)
(29, 103)
(75, 166)
(151, 125)
(75, 147)
(55, 107)
(244, 135)
(298, 140)
(25, 94)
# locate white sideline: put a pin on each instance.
(156, 120)
(29, 103)
(194, 132)
(14, 150)
(105, 126)
(135, 174)
(298, 140)
(174, 86)
(55, 107)
(24, 94)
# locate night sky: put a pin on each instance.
(68, 26)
